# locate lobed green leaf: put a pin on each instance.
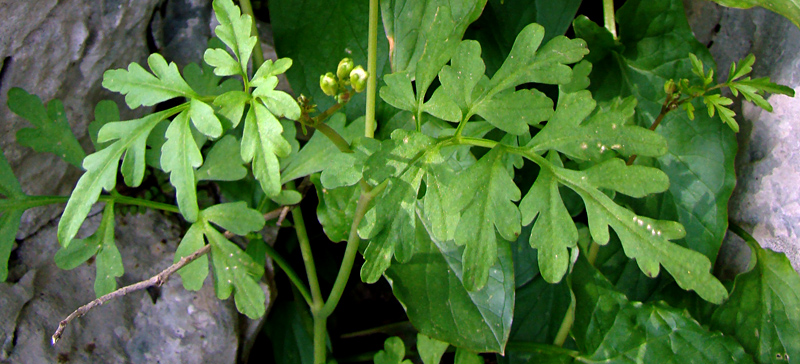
(179, 157)
(142, 88)
(234, 30)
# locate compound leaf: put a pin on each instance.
(398, 92)
(491, 208)
(203, 80)
(235, 217)
(193, 274)
(236, 272)
(431, 287)
(51, 132)
(179, 157)
(462, 75)
(763, 312)
(142, 88)
(223, 162)
(262, 143)
(336, 208)
(234, 30)
(512, 112)
(101, 169)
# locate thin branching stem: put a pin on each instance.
(608, 17)
(372, 69)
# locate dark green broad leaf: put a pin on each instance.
(223, 162)
(393, 352)
(502, 20)
(336, 209)
(610, 329)
(657, 41)
(129, 138)
(10, 213)
(424, 34)
(788, 8)
(533, 353)
(108, 262)
(763, 312)
(340, 27)
(51, 132)
(289, 331)
(539, 310)
(203, 80)
(431, 288)
(234, 270)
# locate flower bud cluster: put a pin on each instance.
(348, 77)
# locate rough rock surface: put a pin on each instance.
(60, 49)
(167, 325)
(766, 200)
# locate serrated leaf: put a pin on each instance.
(235, 217)
(235, 272)
(512, 112)
(763, 311)
(644, 239)
(442, 107)
(203, 80)
(336, 208)
(554, 233)
(108, 262)
(142, 88)
(462, 75)
(431, 288)
(101, 169)
(764, 84)
(51, 132)
(393, 352)
(105, 112)
(490, 209)
(179, 157)
(193, 274)
(234, 30)
(701, 152)
(609, 328)
(430, 350)
(223, 62)
(741, 68)
(223, 162)
(268, 70)
(262, 143)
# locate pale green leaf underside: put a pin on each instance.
(179, 157)
(142, 88)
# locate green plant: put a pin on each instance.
(481, 199)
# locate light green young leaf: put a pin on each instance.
(105, 112)
(491, 208)
(108, 262)
(720, 104)
(344, 169)
(262, 143)
(336, 208)
(223, 62)
(741, 68)
(193, 274)
(101, 169)
(764, 84)
(319, 153)
(430, 350)
(231, 105)
(393, 352)
(235, 217)
(763, 312)
(398, 92)
(234, 30)
(50, 125)
(179, 157)
(268, 70)
(236, 272)
(279, 103)
(512, 112)
(554, 233)
(431, 288)
(142, 88)
(223, 162)
(206, 83)
(203, 118)
(464, 356)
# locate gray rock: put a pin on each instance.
(60, 49)
(167, 325)
(766, 200)
(181, 34)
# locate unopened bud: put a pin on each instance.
(669, 87)
(344, 68)
(358, 79)
(328, 84)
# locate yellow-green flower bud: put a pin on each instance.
(328, 84)
(358, 79)
(344, 68)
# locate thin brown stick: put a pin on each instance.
(155, 281)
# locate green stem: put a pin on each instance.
(569, 319)
(308, 257)
(293, 276)
(334, 137)
(608, 17)
(349, 254)
(320, 331)
(36, 201)
(258, 53)
(372, 69)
